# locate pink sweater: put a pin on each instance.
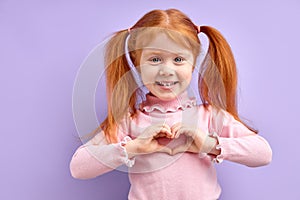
(182, 176)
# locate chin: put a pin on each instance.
(167, 97)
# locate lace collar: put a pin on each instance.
(153, 103)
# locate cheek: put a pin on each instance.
(186, 75)
(148, 74)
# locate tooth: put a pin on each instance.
(166, 84)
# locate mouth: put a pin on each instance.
(166, 83)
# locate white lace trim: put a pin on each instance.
(190, 103)
(128, 162)
(218, 158)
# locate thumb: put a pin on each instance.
(164, 149)
(180, 149)
(184, 147)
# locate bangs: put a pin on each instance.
(141, 38)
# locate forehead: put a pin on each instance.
(162, 43)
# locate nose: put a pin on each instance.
(166, 71)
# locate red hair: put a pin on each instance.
(217, 79)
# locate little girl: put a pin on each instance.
(168, 142)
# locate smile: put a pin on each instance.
(166, 83)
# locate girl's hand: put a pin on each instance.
(147, 143)
(197, 140)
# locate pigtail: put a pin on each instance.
(120, 86)
(218, 75)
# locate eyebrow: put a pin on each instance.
(150, 51)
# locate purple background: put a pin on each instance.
(43, 43)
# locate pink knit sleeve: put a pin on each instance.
(238, 144)
(97, 157)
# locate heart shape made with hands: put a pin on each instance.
(182, 143)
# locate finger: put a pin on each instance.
(164, 149)
(175, 127)
(159, 135)
(179, 132)
(162, 134)
(189, 141)
(185, 148)
(179, 149)
(166, 126)
(189, 132)
(166, 132)
(166, 129)
(179, 129)
(199, 138)
(193, 149)
(155, 130)
(191, 146)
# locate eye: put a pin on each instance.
(155, 59)
(178, 59)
